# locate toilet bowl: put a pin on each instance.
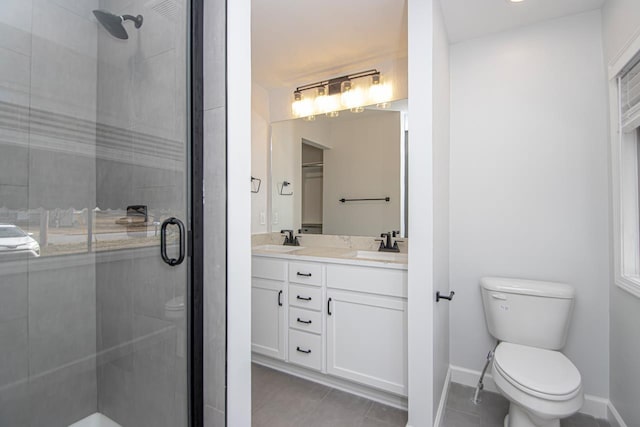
(530, 319)
(541, 385)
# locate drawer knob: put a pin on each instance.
(303, 351)
(307, 322)
(304, 274)
(303, 298)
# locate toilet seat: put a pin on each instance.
(544, 383)
(546, 374)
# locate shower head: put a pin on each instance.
(113, 23)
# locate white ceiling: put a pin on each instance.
(295, 42)
(466, 19)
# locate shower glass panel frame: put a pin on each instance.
(101, 213)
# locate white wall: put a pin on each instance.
(621, 22)
(364, 162)
(529, 194)
(441, 148)
(238, 213)
(420, 325)
(286, 160)
(286, 166)
(260, 143)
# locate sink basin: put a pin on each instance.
(381, 256)
(277, 248)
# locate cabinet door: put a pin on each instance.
(367, 340)
(267, 317)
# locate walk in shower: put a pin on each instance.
(95, 207)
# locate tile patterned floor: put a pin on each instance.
(281, 400)
(462, 412)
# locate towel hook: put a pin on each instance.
(449, 298)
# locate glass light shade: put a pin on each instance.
(380, 93)
(356, 93)
(326, 103)
(321, 103)
(353, 98)
(295, 108)
(302, 108)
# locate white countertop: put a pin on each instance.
(330, 255)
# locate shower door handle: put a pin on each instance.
(163, 241)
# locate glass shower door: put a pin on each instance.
(94, 212)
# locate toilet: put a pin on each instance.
(530, 319)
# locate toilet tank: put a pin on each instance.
(527, 312)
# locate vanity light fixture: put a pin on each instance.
(350, 92)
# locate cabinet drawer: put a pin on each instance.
(268, 268)
(305, 272)
(305, 349)
(381, 281)
(305, 297)
(305, 320)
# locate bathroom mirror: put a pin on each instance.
(340, 175)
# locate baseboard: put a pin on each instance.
(470, 378)
(613, 416)
(443, 400)
(380, 396)
(595, 406)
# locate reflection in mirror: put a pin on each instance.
(49, 232)
(342, 175)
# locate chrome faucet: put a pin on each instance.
(385, 243)
(290, 240)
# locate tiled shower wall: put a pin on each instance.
(215, 213)
(85, 121)
(48, 306)
(141, 146)
(142, 354)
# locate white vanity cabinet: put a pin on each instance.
(367, 326)
(367, 339)
(268, 307)
(305, 317)
(345, 320)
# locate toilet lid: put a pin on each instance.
(543, 371)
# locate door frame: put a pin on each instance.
(420, 278)
(195, 235)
